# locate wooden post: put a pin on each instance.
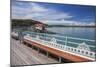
(38, 50)
(47, 54)
(32, 47)
(59, 59)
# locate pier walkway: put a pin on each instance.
(23, 55)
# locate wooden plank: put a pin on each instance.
(23, 55)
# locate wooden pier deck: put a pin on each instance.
(23, 55)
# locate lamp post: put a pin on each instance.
(21, 34)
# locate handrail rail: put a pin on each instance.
(82, 39)
(70, 42)
(57, 35)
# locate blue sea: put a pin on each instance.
(77, 32)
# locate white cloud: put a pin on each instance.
(69, 22)
(38, 8)
(38, 12)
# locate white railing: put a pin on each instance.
(81, 49)
(79, 46)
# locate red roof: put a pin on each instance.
(38, 22)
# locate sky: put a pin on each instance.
(53, 12)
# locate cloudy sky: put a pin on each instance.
(53, 12)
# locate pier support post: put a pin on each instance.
(32, 47)
(38, 50)
(59, 60)
(47, 54)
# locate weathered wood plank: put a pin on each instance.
(23, 55)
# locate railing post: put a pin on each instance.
(60, 59)
(44, 36)
(66, 42)
(38, 50)
(47, 54)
